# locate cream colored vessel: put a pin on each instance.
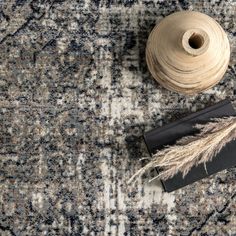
(188, 52)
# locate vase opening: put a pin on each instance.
(196, 41)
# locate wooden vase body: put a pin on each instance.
(188, 52)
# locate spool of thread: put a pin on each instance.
(188, 52)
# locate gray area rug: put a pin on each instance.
(75, 99)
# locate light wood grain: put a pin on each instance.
(188, 52)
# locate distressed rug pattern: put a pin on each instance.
(75, 99)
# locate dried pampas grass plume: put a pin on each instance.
(192, 150)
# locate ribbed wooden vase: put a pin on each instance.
(188, 52)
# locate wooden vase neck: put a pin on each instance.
(195, 41)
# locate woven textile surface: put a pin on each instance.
(75, 98)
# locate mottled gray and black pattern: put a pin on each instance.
(75, 98)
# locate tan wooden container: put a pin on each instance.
(188, 52)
